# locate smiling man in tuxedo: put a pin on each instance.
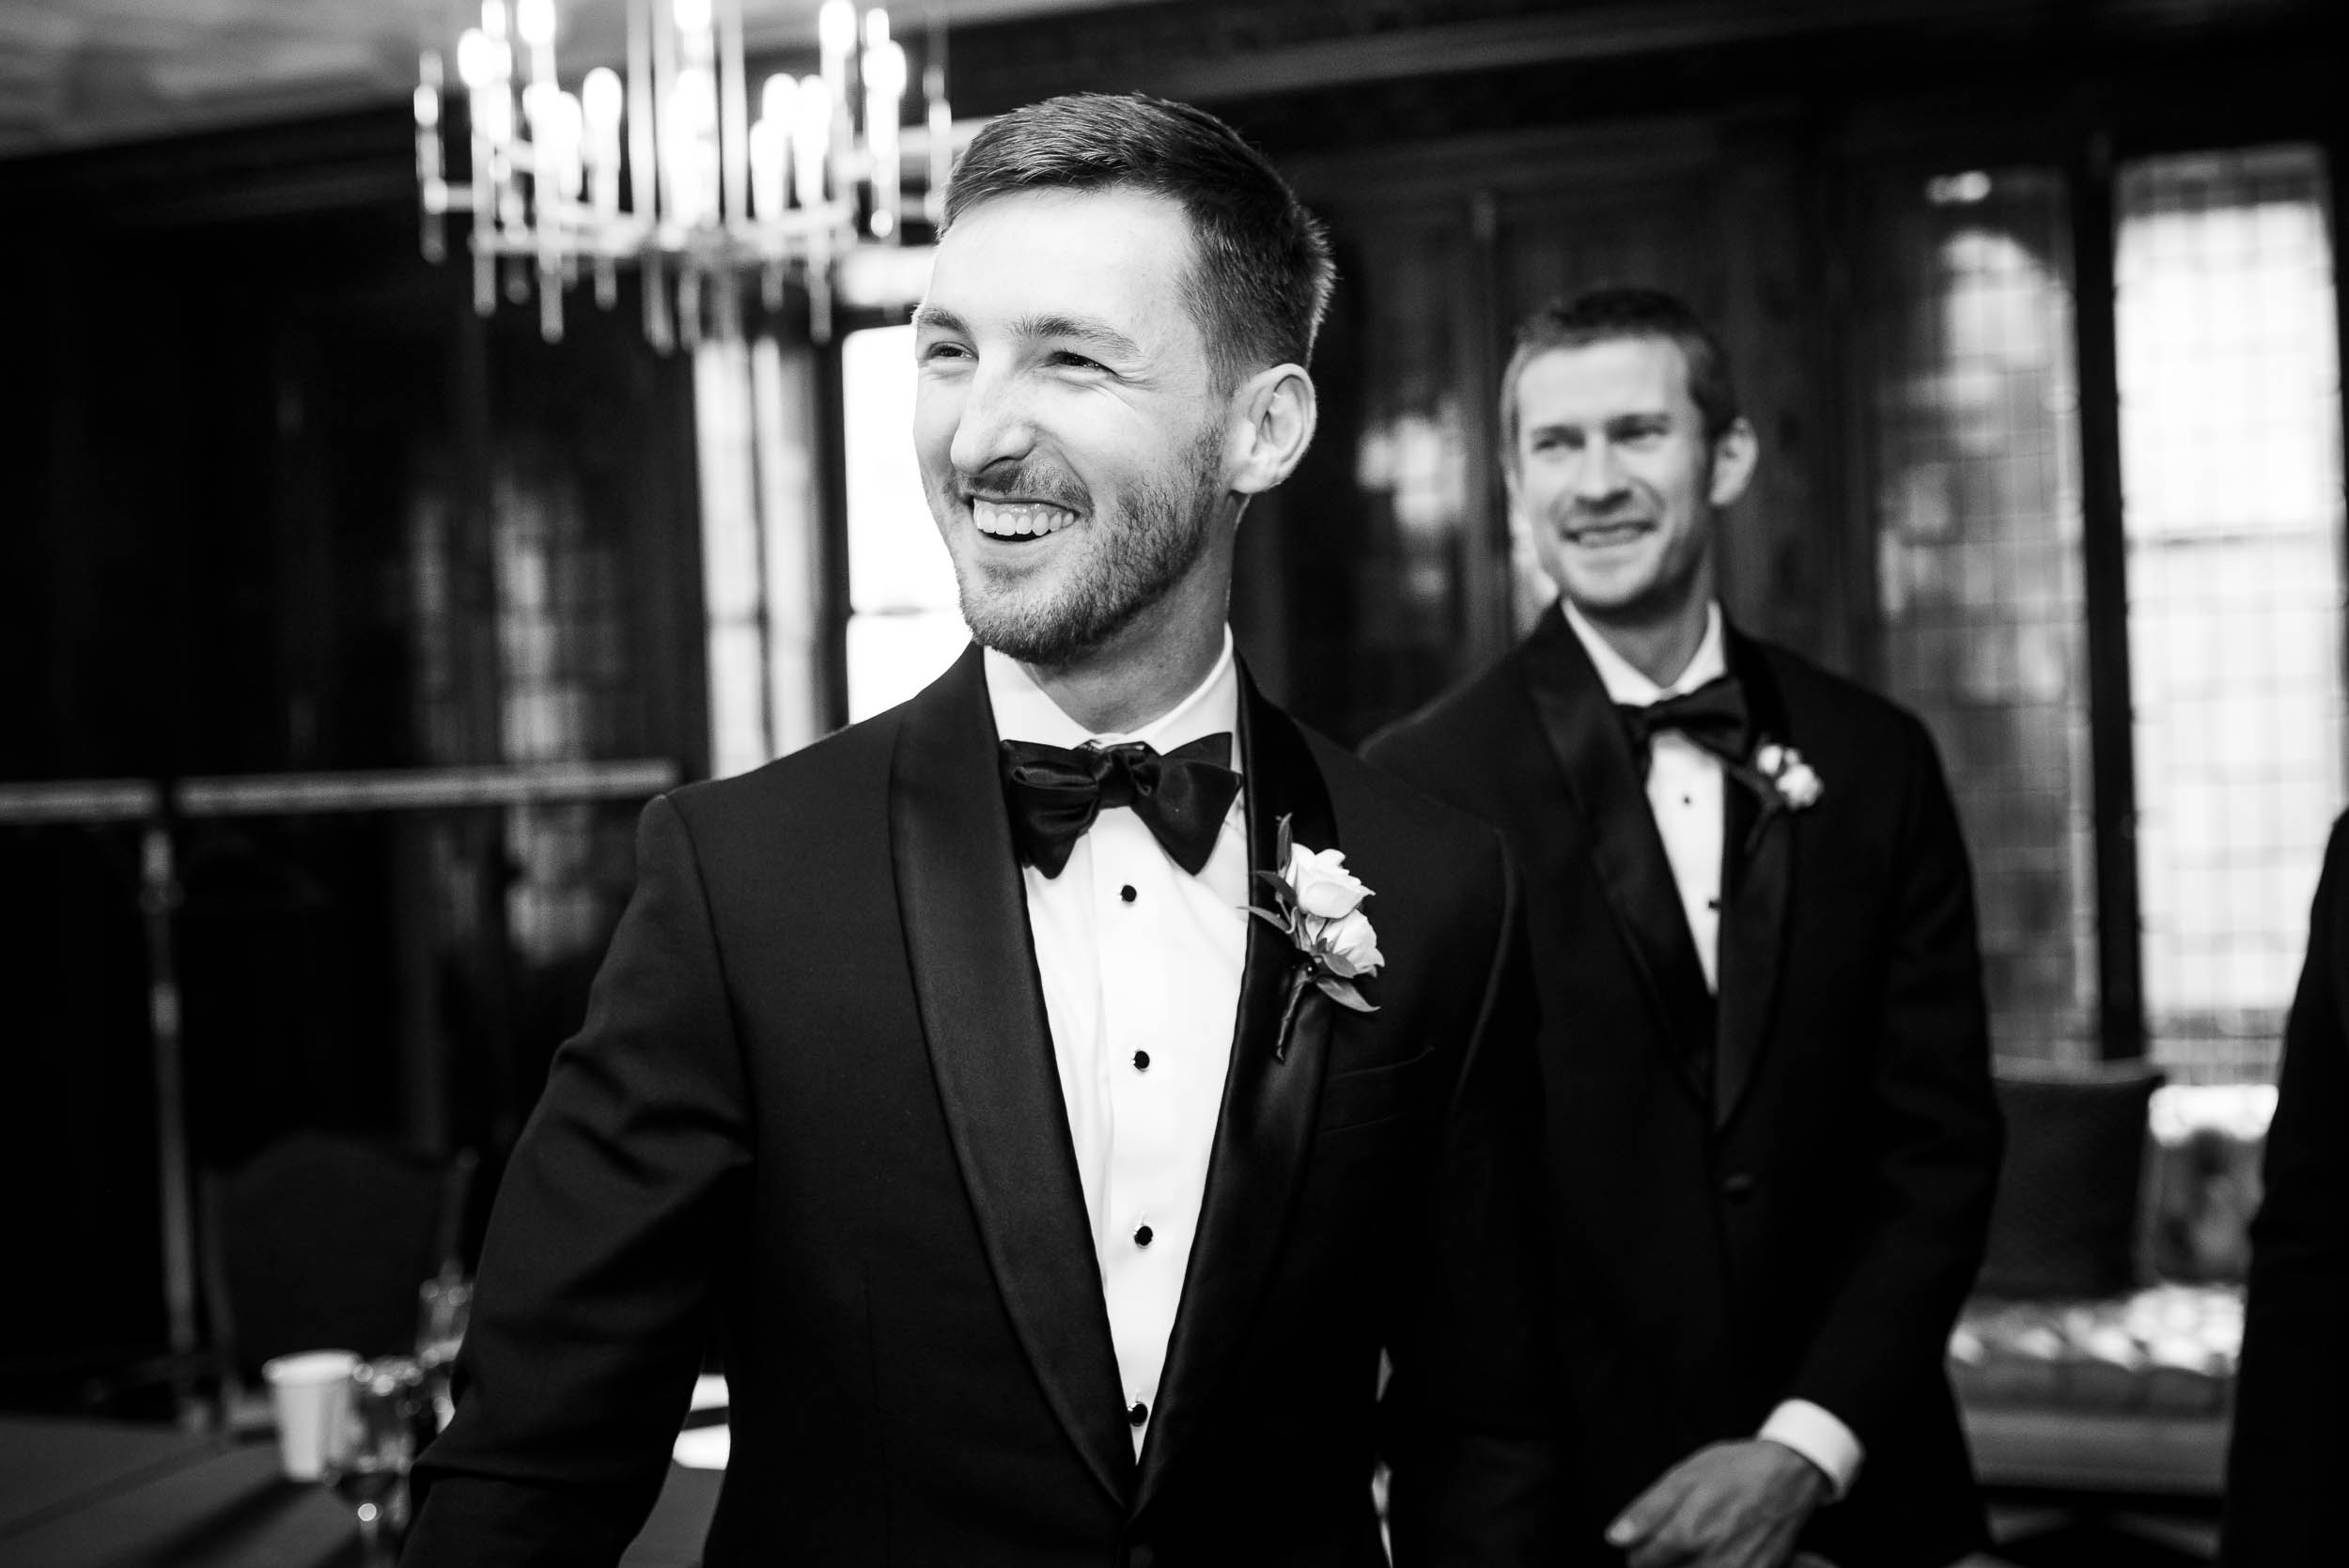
(1054, 1209)
(1770, 1124)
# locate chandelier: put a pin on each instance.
(670, 169)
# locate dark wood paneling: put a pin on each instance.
(247, 388)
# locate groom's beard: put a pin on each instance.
(1134, 551)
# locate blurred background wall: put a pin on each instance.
(2034, 304)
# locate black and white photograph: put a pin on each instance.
(1174, 784)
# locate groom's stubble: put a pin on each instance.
(1149, 537)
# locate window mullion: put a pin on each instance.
(2104, 566)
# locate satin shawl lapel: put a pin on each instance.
(1264, 1128)
(1604, 789)
(965, 914)
(1757, 877)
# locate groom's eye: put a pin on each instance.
(1073, 360)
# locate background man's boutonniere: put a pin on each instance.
(1318, 903)
(1793, 780)
(1781, 779)
(1783, 782)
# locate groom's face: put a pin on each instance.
(1071, 435)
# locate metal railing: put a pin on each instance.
(158, 806)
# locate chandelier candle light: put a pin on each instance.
(667, 169)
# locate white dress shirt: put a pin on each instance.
(1684, 785)
(1141, 969)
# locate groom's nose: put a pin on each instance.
(995, 423)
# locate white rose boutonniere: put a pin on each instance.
(1797, 785)
(1318, 903)
(1323, 886)
(1351, 948)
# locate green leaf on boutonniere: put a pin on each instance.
(1319, 965)
(1283, 895)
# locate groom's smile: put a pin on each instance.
(1017, 521)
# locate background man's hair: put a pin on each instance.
(1260, 279)
(1608, 314)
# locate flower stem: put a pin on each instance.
(1301, 981)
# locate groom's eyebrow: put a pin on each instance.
(1065, 329)
(1076, 329)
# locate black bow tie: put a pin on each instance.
(1054, 794)
(1713, 716)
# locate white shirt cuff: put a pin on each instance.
(1810, 1431)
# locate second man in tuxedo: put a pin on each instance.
(1770, 1124)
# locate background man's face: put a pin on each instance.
(1614, 477)
(1067, 421)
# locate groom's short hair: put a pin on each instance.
(1260, 279)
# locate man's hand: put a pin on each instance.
(1733, 1505)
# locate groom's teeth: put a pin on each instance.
(1009, 522)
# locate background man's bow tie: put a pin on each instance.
(1714, 716)
(1054, 794)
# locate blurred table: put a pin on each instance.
(101, 1494)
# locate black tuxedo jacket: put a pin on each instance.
(2290, 1445)
(1783, 1193)
(815, 1098)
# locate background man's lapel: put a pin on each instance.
(1603, 787)
(976, 984)
(1265, 1129)
(1757, 880)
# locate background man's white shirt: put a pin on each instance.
(1140, 970)
(1684, 785)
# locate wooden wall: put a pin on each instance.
(243, 403)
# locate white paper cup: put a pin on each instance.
(312, 1393)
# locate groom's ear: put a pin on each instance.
(1272, 414)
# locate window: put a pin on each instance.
(755, 419)
(2227, 712)
(2230, 400)
(755, 422)
(1979, 578)
(904, 623)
